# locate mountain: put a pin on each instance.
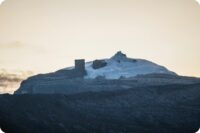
(117, 72)
(115, 95)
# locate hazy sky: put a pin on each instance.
(46, 35)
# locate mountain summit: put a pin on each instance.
(120, 65)
(119, 55)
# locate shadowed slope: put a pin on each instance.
(156, 109)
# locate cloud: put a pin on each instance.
(11, 45)
(18, 45)
(7, 77)
(15, 76)
(9, 82)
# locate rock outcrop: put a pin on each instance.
(99, 64)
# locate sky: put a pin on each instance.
(44, 36)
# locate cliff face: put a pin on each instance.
(155, 109)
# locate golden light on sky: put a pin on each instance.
(47, 35)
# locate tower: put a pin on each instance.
(80, 67)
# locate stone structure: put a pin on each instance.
(99, 64)
(80, 67)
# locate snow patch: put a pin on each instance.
(120, 66)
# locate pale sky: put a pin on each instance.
(47, 35)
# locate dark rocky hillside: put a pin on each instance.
(150, 109)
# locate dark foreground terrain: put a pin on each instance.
(155, 109)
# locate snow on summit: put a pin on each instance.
(121, 66)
